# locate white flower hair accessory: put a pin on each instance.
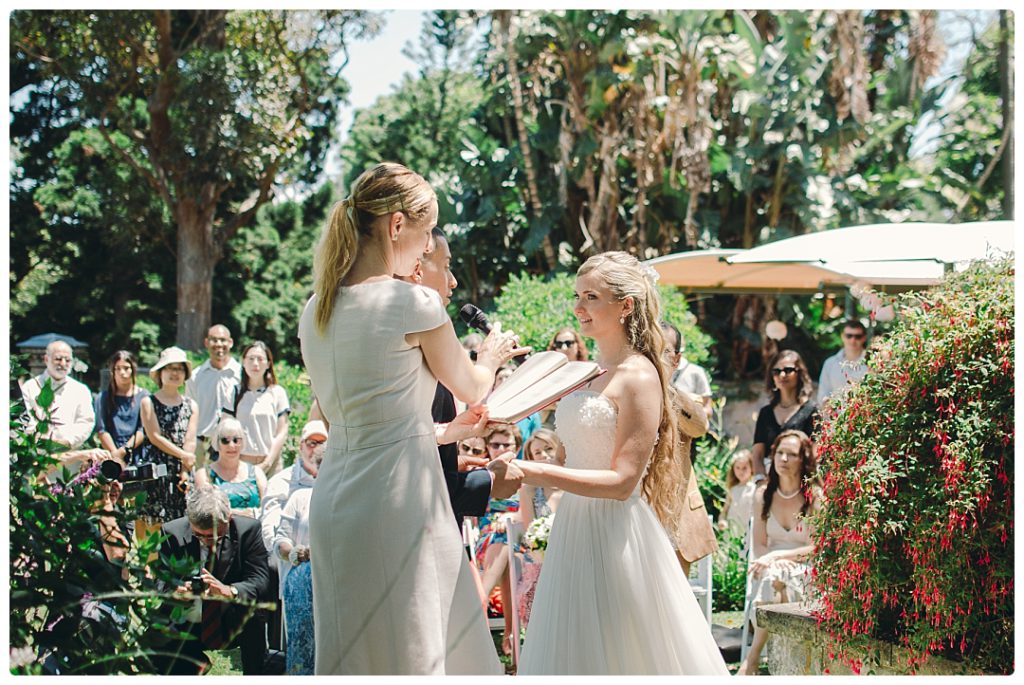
(650, 274)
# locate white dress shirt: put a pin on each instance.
(72, 417)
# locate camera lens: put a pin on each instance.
(110, 469)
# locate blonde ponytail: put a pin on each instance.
(334, 256)
(380, 190)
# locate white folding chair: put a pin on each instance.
(748, 600)
(515, 575)
(700, 582)
(470, 534)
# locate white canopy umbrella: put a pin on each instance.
(884, 256)
(710, 271)
(877, 243)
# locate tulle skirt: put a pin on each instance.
(613, 600)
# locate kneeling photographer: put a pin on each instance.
(219, 557)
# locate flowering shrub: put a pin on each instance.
(71, 610)
(915, 536)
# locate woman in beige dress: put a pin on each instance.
(392, 588)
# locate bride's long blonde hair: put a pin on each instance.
(625, 277)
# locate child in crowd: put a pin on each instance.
(739, 498)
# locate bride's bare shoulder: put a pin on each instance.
(638, 374)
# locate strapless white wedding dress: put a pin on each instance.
(611, 598)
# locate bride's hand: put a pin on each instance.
(531, 471)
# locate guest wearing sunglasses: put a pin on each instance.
(569, 342)
(790, 408)
(242, 482)
(472, 454)
(847, 366)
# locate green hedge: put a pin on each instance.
(915, 538)
(535, 307)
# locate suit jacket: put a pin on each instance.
(241, 556)
(695, 537)
(469, 492)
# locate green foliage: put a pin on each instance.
(295, 382)
(170, 142)
(729, 571)
(69, 606)
(711, 463)
(266, 275)
(915, 536)
(535, 307)
(73, 610)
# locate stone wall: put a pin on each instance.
(796, 647)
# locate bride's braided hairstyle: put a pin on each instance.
(380, 190)
(626, 277)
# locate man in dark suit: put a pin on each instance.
(227, 554)
(469, 491)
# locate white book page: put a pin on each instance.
(529, 372)
(543, 392)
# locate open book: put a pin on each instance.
(542, 379)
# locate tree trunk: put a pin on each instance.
(196, 258)
(524, 143)
(1006, 93)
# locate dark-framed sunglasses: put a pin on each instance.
(315, 443)
(469, 449)
(784, 370)
(501, 445)
(228, 441)
(854, 336)
(566, 344)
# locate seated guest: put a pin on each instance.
(472, 453)
(297, 476)
(72, 418)
(279, 488)
(227, 554)
(535, 501)
(291, 545)
(262, 407)
(169, 420)
(782, 538)
(243, 483)
(492, 546)
(118, 409)
(569, 342)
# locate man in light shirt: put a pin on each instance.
(687, 377)
(72, 417)
(847, 366)
(213, 386)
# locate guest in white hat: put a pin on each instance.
(169, 420)
(291, 548)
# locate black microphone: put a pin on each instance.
(474, 317)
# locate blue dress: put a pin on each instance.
(125, 420)
(298, 601)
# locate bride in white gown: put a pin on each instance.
(612, 598)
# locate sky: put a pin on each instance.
(375, 67)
